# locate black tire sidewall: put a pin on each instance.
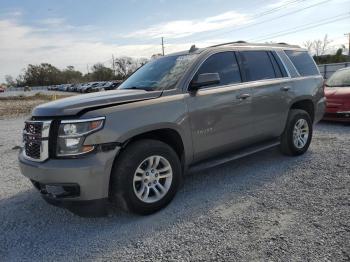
(130, 159)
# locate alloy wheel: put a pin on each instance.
(152, 179)
(300, 133)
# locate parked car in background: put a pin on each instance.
(112, 85)
(337, 93)
(84, 87)
(62, 87)
(92, 85)
(185, 111)
(70, 87)
(97, 88)
(2, 89)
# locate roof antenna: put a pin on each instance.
(193, 48)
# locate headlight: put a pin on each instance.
(72, 134)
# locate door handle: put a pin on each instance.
(285, 88)
(243, 96)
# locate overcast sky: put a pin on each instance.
(81, 33)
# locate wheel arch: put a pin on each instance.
(305, 104)
(168, 134)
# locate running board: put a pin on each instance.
(232, 156)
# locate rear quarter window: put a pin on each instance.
(302, 62)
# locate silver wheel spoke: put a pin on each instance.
(145, 193)
(139, 171)
(162, 189)
(140, 191)
(156, 162)
(150, 162)
(164, 175)
(164, 169)
(300, 142)
(156, 191)
(137, 178)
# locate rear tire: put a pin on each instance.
(297, 135)
(145, 177)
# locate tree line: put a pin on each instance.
(46, 74)
(323, 53)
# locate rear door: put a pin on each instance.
(270, 86)
(220, 114)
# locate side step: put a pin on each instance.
(232, 156)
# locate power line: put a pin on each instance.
(302, 28)
(259, 15)
(275, 18)
(348, 35)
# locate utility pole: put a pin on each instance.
(348, 35)
(163, 45)
(113, 64)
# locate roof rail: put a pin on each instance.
(193, 48)
(256, 44)
(229, 43)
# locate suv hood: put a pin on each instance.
(75, 104)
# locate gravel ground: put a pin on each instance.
(265, 207)
(33, 92)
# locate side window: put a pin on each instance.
(257, 65)
(302, 62)
(225, 64)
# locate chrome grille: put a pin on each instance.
(35, 140)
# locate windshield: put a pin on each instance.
(339, 79)
(160, 74)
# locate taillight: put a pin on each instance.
(324, 87)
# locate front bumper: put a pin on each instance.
(89, 176)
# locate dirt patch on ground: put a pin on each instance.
(14, 106)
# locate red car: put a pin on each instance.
(337, 90)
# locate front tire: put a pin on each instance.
(145, 177)
(297, 135)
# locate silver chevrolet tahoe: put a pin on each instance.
(179, 113)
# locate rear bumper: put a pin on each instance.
(320, 109)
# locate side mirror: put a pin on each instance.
(204, 80)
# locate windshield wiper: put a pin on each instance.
(140, 88)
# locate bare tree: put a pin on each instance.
(125, 66)
(308, 45)
(318, 47)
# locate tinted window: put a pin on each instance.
(302, 62)
(225, 64)
(257, 65)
